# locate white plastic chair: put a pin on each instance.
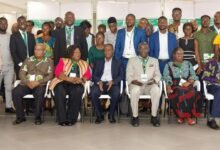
(81, 114)
(196, 84)
(106, 96)
(31, 96)
(144, 96)
(209, 97)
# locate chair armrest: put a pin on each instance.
(16, 83)
(46, 91)
(121, 87)
(165, 89)
(197, 85)
(127, 89)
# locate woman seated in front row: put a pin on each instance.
(70, 75)
(212, 76)
(183, 98)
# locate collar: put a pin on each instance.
(109, 60)
(67, 27)
(216, 28)
(22, 32)
(163, 33)
(131, 30)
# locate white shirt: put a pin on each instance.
(129, 50)
(107, 74)
(110, 38)
(72, 34)
(21, 32)
(216, 29)
(180, 32)
(163, 39)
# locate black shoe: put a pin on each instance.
(19, 121)
(135, 122)
(9, 110)
(212, 124)
(99, 119)
(155, 121)
(38, 121)
(111, 118)
(70, 123)
(62, 123)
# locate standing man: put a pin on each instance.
(127, 40)
(22, 44)
(143, 22)
(110, 36)
(216, 27)
(30, 25)
(143, 75)
(176, 27)
(205, 38)
(162, 43)
(70, 35)
(6, 65)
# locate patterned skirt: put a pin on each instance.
(185, 101)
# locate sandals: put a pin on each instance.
(180, 120)
(190, 121)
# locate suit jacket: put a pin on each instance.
(60, 49)
(139, 36)
(117, 71)
(135, 69)
(154, 44)
(18, 48)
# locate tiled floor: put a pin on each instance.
(122, 136)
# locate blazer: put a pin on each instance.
(139, 36)
(60, 49)
(18, 48)
(135, 69)
(117, 71)
(154, 44)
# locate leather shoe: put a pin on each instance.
(38, 121)
(212, 124)
(99, 119)
(9, 110)
(19, 121)
(135, 122)
(112, 119)
(155, 121)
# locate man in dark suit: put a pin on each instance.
(22, 44)
(69, 35)
(107, 75)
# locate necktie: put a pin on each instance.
(68, 39)
(25, 38)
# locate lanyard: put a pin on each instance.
(130, 37)
(74, 64)
(179, 66)
(144, 63)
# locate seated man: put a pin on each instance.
(107, 75)
(143, 75)
(35, 72)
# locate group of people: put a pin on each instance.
(68, 56)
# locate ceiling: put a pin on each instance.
(19, 6)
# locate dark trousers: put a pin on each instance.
(215, 90)
(20, 91)
(68, 113)
(114, 93)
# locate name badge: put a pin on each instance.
(32, 77)
(195, 67)
(207, 56)
(181, 82)
(72, 75)
(144, 77)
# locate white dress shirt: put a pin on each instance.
(216, 29)
(163, 39)
(107, 74)
(129, 50)
(72, 34)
